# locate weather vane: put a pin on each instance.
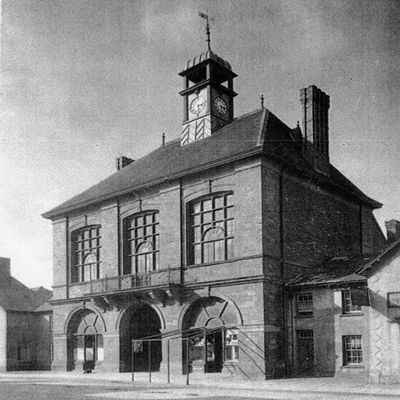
(205, 16)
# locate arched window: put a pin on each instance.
(141, 243)
(85, 246)
(211, 230)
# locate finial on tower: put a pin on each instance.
(262, 100)
(205, 16)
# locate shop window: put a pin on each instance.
(141, 243)
(211, 229)
(231, 345)
(86, 254)
(347, 306)
(352, 350)
(304, 304)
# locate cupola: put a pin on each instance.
(207, 95)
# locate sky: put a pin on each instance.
(85, 81)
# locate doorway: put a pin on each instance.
(85, 341)
(214, 352)
(305, 352)
(140, 323)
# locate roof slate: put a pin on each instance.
(15, 296)
(340, 270)
(256, 132)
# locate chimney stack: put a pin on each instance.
(315, 119)
(5, 266)
(392, 230)
(122, 162)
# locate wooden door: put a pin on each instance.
(305, 353)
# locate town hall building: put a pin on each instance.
(181, 260)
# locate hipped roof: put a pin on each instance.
(256, 133)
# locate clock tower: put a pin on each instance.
(207, 96)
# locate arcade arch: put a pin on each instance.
(210, 324)
(140, 322)
(85, 348)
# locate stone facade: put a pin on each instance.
(251, 283)
(282, 209)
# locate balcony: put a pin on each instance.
(143, 283)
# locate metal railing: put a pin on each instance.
(126, 282)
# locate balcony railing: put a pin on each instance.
(126, 282)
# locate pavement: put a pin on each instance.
(354, 386)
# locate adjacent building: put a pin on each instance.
(345, 316)
(25, 324)
(180, 259)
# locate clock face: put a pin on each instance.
(221, 106)
(197, 105)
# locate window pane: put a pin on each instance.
(229, 212)
(157, 261)
(196, 207)
(229, 248)
(218, 215)
(139, 232)
(208, 252)
(229, 227)
(207, 217)
(139, 221)
(207, 205)
(196, 219)
(219, 251)
(197, 234)
(141, 263)
(219, 202)
(197, 254)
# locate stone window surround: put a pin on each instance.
(211, 228)
(85, 254)
(144, 235)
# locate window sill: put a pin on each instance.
(353, 366)
(304, 316)
(353, 314)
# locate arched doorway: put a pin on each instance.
(85, 347)
(210, 325)
(138, 323)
